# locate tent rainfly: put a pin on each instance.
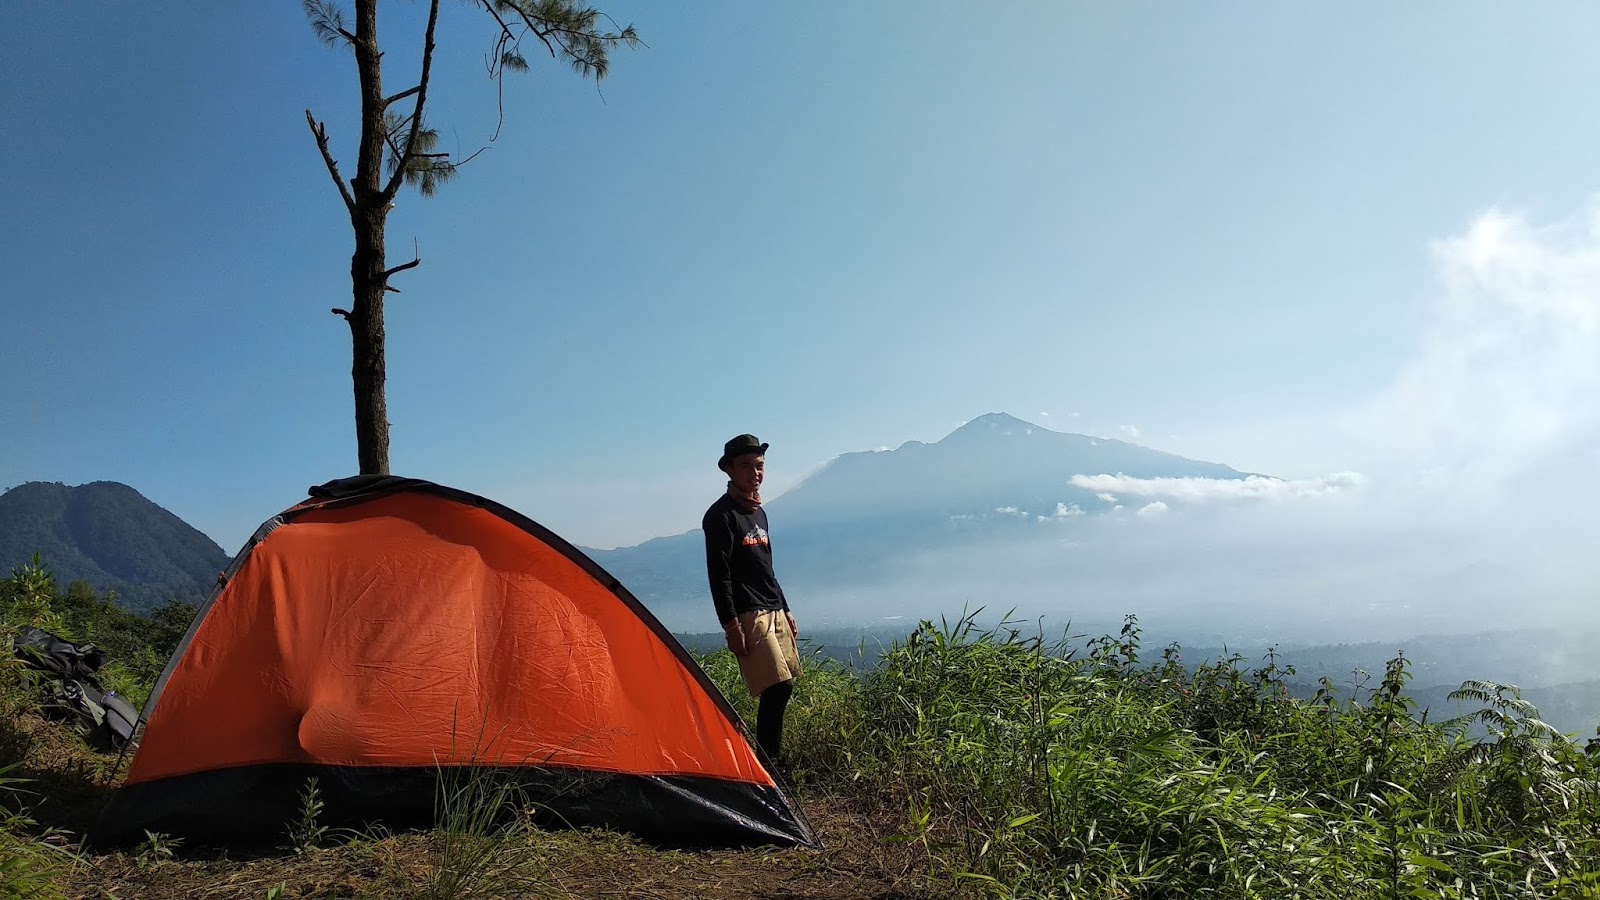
(388, 637)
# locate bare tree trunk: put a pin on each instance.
(367, 371)
(367, 275)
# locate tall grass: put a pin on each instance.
(823, 727)
(483, 845)
(32, 860)
(1038, 769)
(484, 842)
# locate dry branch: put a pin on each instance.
(320, 132)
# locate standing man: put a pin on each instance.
(750, 605)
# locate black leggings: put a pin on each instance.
(769, 717)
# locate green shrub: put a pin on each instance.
(1042, 769)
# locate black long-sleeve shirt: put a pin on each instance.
(739, 560)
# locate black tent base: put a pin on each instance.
(254, 807)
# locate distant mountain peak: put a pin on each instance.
(996, 423)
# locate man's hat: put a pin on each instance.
(740, 446)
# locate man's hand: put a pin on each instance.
(734, 632)
(792, 628)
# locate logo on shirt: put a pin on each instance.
(756, 538)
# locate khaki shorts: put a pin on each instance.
(771, 656)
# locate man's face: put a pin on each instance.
(747, 471)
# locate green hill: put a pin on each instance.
(111, 537)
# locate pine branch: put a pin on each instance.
(569, 30)
(402, 267)
(393, 187)
(392, 124)
(489, 8)
(390, 101)
(423, 168)
(416, 260)
(565, 27)
(320, 132)
(543, 37)
(497, 72)
(327, 21)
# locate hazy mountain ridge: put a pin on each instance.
(849, 525)
(1554, 669)
(110, 536)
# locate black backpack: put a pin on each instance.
(66, 674)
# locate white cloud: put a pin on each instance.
(1131, 432)
(1508, 369)
(1068, 511)
(1202, 490)
(1154, 508)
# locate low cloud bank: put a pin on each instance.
(1202, 490)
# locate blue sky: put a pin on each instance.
(837, 225)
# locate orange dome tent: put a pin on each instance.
(388, 632)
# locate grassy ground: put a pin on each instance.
(992, 763)
(858, 861)
(864, 853)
